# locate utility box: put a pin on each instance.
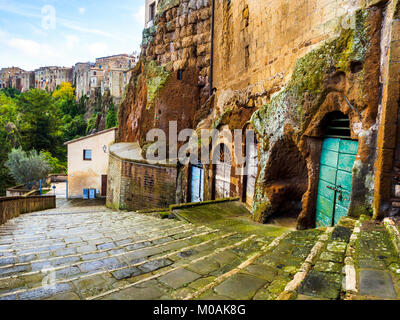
(89, 194)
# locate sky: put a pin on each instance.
(36, 33)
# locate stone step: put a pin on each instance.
(188, 275)
(325, 274)
(88, 239)
(90, 263)
(108, 279)
(80, 251)
(53, 233)
(257, 269)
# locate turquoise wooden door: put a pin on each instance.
(337, 161)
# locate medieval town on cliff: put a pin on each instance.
(317, 81)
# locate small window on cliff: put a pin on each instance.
(180, 74)
(152, 11)
(246, 56)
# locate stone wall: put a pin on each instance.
(135, 186)
(170, 82)
(284, 66)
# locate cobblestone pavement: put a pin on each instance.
(89, 252)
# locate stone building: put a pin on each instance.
(150, 12)
(88, 163)
(81, 79)
(48, 78)
(11, 77)
(27, 80)
(317, 81)
(110, 73)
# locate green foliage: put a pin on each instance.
(27, 167)
(111, 117)
(55, 164)
(38, 120)
(73, 127)
(11, 92)
(91, 123)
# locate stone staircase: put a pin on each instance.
(99, 254)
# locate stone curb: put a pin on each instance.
(350, 278)
(292, 286)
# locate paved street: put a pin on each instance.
(88, 252)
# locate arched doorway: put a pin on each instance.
(222, 178)
(336, 170)
(250, 177)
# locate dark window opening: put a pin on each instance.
(152, 11)
(337, 126)
(246, 57)
(87, 155)
(356, 66)
(180, 74)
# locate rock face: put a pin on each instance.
(286, 78)
(170, 82)
(282, 69)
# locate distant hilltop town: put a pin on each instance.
(110, 73)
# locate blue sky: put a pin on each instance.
(83, 30)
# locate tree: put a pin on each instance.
(39, 122)
(73, 127)
(55, 164)
(65, 99)
(11, 92)
(27, 167)
(111, 117)
(9, 137)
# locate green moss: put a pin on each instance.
(164, 5)
(157, 78)
(221, 119)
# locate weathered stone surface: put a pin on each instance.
(321, 284)
(126, 273)
(179, 278)
(377, 283)
(240, 286)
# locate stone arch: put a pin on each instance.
(221, 167)
(311, 146)
(285, 179)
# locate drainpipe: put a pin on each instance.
(212, 47)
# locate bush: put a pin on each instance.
(27, 167)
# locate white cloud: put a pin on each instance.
(82, 11)
(97, 49)
(70, 25)
(32, 48)
(139, 15)
(71, 41)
